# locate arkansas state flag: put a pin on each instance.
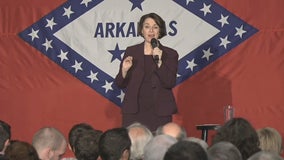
(59, 59)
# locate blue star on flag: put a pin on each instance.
(116, 53)
(136, 4)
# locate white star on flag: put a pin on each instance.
(77, 66)
(240, 31)
(107, 86)
(93, 76)
(206, 9)
(47, 44)
(190, 64)
(188, 1)
(85, 2)
(121, 96)
(223, 20)
(207, 54)
(68, 12)
(50, 23)
(224, 42)
(62, 56)
(33, 34)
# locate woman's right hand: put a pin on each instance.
(126, 65)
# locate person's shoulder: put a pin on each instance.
(133, 49)
(135, 46)
(169, 50)
(164, 47)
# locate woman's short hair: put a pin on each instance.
(270, 140)
(160, 22)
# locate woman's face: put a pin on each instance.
(150, 29)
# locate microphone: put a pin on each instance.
(154, 44)
(156, 59)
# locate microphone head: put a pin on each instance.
(154, 43)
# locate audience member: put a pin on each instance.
(86, 146)
(75, 131)
(224, 151)
(115, 144)
(5, 136)
(49, 143)
(265, 155)
(139, 135)
(241, 133)
(235, 140)
(270, 140)
(157, 147)
(185, 150)
(201, 142)
(172, 129)
(19, 150)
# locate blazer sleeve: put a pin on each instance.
(168, 70)
(119, 80)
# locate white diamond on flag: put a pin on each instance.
(88, 38)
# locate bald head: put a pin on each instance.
(49, 140)
(172, 129)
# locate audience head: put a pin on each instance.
(139, 135)
(157, 147)
(224, 151)
(49, 143)
(86, 146)
(201, 142)
(239, 132)
(172, 129)
(75, 131)
(114, 144)
(5, 136)
(270, 140)
(265, 155)
(18, 150)
(186, 150)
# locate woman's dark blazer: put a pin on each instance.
(163, 81)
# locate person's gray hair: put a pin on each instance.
(201, 142)
(139, 135)
(265, 155)
(224, 151)
(48, 137)
(158, 146)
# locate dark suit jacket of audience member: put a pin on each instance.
(2, 157)
(164, 102)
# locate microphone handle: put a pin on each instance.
(156, 59)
